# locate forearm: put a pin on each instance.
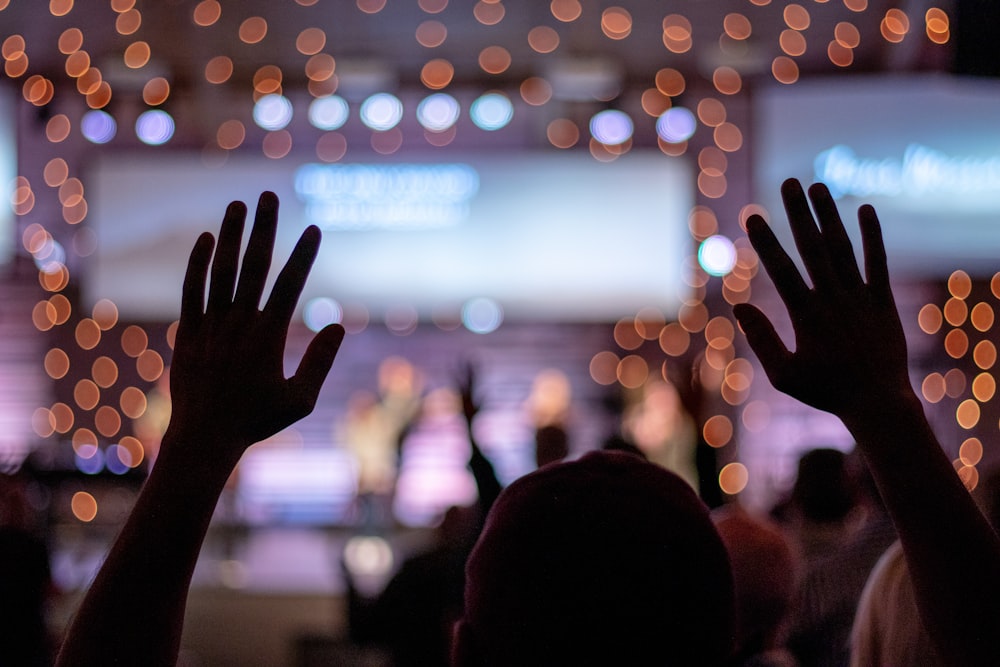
(134, 609)
(952, 553)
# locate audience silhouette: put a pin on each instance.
(765, 573)
(608, 559)
(887, 628)
(413, 616)
(25, 578)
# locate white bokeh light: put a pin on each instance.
(368, 555)
(482, 315)
(611, 127)
(381, 112)
(438, 112)
(50, 257)
(717, 255)
(273, 112)
(322, 311)
(329, 113)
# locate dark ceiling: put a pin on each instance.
(180, 49)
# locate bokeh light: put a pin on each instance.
(733, 478)
(381, 112)
(482, 315)
(566, 10)
(320, 312)
(717, 255)
(611, 127)
(494, 59)
(98, 126)
(717, 431)
(84, 506)
(273, 112)
(437, 74)
(329, 112)
(438, 112)
(431, 34)
(154, 127)
(253, 29)
(676, 125)
(491, 111)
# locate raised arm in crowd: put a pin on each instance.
(849, 359)
(229, 391)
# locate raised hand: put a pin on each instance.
(849, 344)
(466, 384)
(229, 391)
(850, 359)
(227, 375)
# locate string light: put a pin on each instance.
(717, 141)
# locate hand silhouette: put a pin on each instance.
(850, 360)
(227, 374)
(848, 335)
(229, 391)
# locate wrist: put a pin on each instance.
(891, 416)
(198, 455)
(874, 408)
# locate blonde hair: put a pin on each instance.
(887, 628)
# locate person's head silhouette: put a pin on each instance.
(605, 560)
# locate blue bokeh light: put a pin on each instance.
(676, 125)
(98, 126)
(117, 460)
(90, 460)
(154, 127)
(492, 111)
(611, 127)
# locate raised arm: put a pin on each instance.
(229, 391)
(488, 487)
(850, 360)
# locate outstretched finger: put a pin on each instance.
(784, 274)
(227, 257)
(315, 366)
(763, 340)
(193, 291)
(257, 259)
(291, 280)
(808, 238)
(840, 252)
(876, 266)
